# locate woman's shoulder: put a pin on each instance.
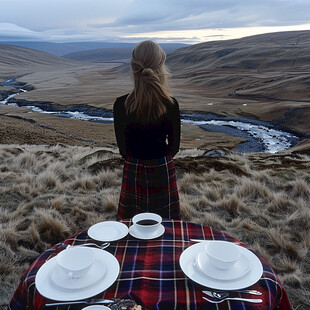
(172, 106)
(121, 99)
(120, 102)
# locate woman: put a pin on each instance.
(147, 129)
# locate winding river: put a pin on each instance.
(260, 136)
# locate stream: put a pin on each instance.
(260, 136)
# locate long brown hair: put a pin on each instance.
(150, 91)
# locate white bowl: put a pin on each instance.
(222, 254)
(146, 222)
(76, 261)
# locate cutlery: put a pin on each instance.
(204, 240)
(85, 302)
(254, 301)
(222, 294)
(100, 246)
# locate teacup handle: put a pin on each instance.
(71, 275)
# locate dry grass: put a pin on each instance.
(48, 193)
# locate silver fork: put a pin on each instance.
(100, 246)
(254, 301)
(223, 294)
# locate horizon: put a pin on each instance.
(245, 33)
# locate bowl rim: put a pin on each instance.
(228, 258)
(144, 215)
(90, 259)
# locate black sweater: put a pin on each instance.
(147, 140)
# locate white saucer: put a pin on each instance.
(187, 264)
(157, 233)
(108, 231)
(61, 279)
(238, 270)
(48, 289)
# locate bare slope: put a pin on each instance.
(11, 55)
(271, 66)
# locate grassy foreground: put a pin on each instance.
(48, 193)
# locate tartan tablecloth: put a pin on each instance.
(151, 275)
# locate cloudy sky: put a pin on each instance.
(187, 21)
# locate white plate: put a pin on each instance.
(238, 270)
(187, 264)
(108, 231)
(48, 289)
(157, 233)
(61, 279)
(96, 307)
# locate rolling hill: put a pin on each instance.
(17, 57)
(61, 49)
(264, 77)
(271, 66)
(115, 54)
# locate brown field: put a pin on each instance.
(58, 176)
(48, 193)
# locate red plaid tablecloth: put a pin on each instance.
(151, 275)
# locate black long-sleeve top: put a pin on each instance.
(147, 140)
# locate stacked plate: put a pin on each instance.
(201, 268)
(54, 283)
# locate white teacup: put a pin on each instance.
(222, 254)
(76, 261)
(147, 222)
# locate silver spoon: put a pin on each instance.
(254, 301)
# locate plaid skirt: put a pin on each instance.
(149, 186)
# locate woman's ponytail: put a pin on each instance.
(150, 82)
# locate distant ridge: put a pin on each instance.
(115, 53)
(61, 49)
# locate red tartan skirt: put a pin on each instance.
(149, 186)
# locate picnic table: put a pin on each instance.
(151, 275)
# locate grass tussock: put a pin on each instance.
(48, 193)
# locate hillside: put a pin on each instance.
(271, 66)
(17, 56)
(282, 50)
(264, 77)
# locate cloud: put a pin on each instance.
(199, 14)
(59, 20)
(11, 31)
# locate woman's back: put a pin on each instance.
(147, 129)
(147, 140)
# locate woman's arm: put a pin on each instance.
(119, 126)
(175, 130)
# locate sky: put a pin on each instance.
(181, 21)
